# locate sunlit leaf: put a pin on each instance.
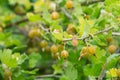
(112, 56)
(33, 59)
(33, 17)
(57, 69)
(58, 36)
(7, 59)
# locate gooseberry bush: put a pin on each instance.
(59, 39)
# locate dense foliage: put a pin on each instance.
(59, 39)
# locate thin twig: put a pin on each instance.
(10, 78)
(66, 13)
(49, 75)
(22, 30)
(44, 29)
(17, 22)
(105, 30)
(102, 74)
(115, 33)
(91, 2)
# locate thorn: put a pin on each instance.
(95, 55)
(43, 49)
(79, 58)
(91, 35)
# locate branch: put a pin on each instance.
(10, 78)
(22, 31)
(43, 28)
(115, 33)
(91, 2)
(49, 75)
(105, 30)
(66, 13)
(102, 74)
(17, 22)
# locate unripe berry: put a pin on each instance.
(91, 50)
(64, 54)
(118, 72)
(19, 9)
(47, 48)
(69, 4)
(1, 29)
(30, 50)
(7, 73)
(70, 29)
(109, 39)
(84, 55)
(43, 43)
(55, 56)
(84, 49)
(86, 16)
(61, 47)
(38, 33)
(54, 49)
(55, 15)
(74, 42)
(112, 48)
(32, 33)
(35, 32)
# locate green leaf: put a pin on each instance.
(92, 70)
(92, 78)
(12, 2)
(87, 10)
(48, 79)
(66, 35)
(101, 22)
(22, 58)
(112, 56)
(109, 2)
(2, 36)
(55, 26)
(100, 40)
(33, 17)
(33, 59)
(112, 63)
(84, 27)
(30, 72)
(58, 36)
(26, 3)
(46, 16)
(64, 78)
(71, 72)
(113, 6)
(78, 9)
(19, 48)
(57, 69)
(8, 59)
(10, 41)
(96, 11)
(109, 34)
(39, 5)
